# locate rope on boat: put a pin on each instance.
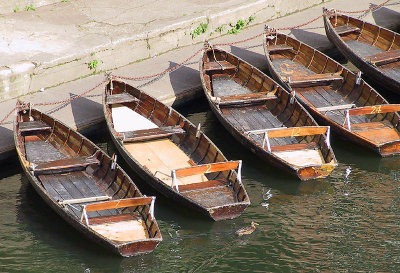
(169, 70)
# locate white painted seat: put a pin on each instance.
(126, 120)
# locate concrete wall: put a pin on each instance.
(30, 76)
(20, 5)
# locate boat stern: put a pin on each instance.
(313, 172)
(227, 212)
(389, 149)
(137, 248)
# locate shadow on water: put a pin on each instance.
(251, 57)
(184, 78)
(308, 37)
(82, 106)
(384, 15)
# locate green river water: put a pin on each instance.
(335, 224)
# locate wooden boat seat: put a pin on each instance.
(33, 126)
(345, 29)
(64, 165)
(335, 107)
(314, 80)
(160, 156)
(245, 99)
(121, 98)
(220, 65)
(202, 185)
(84, 200)
(385, 57)
(150, 134)
(295, 147)
(278, 48)
(203, 169)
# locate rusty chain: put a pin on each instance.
(169, 70)
(161, 73)
(71, 99)
(7, 116)
(365, 10)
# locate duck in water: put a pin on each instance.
(247, 230)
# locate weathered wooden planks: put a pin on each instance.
(150, 134)
(346, 29)
(208, 168)
(122, 203)
(65, 165)
(277, 48)
(384, 57)
(33, 126)
(314, 79)
(121, 98)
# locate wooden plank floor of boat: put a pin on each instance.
(377, 132)
(41, 151)
(303, 157)
(127, 230)
(74, 185)
(226, 86)
(161, 156)
(363, 49)
(287, 68)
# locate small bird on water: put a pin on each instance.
(247, 230)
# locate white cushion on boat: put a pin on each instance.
(125, 120)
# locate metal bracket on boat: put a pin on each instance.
(109, 77)
(358, 78)
(198, 130)
(33, 166)
(206, 44)
(153, 199)
(268, 30)
(347, 119)
(266, 141)
(217, 100)
(84, 215)
(328, 135)
(239, 172)
(293, 94)
(30, 112)
(174, 182)
(114, 162)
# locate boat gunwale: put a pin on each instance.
(149, 177)
(339, 128)
(69, 217)
(238, 133)
(366, 67)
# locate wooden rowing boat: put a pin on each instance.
(373, 49)
(172, 155)
(334, 95)
(264, 117)
(84, 185)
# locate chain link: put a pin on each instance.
(161, 73)
(169, 70)
(8, 115)
(73, 98)
(365, 10)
